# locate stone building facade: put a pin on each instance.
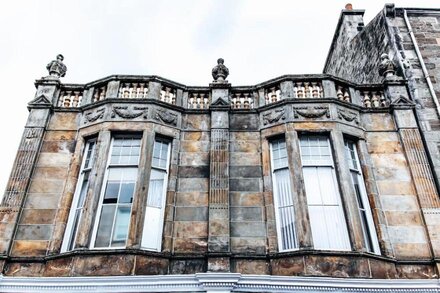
(303, 183)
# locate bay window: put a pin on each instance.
(357, 180)
(327, 221)
(79, 196)
(114, 210)
(283, 200)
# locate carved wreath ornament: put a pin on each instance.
(166, 117)
(274, 116)
(93, 116)
(309, 112)
(126, 113)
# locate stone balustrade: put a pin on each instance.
(242, 100)
(133, 90)
(168, 95)
(70, 98)
(343, 93)
(247, 97)
(373, 98)
(199, 100)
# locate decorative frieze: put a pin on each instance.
(127, 113)
(311, 112)
(274, 116)
(166, 117)
(348, 116)
(94, 115)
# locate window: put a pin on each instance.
(114, 209)
(154, 212)
(327, 221)
(284, 209)
(368, 230)
(79, 197)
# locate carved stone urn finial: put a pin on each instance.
(386, 67)
(56, 67)
(220, 71)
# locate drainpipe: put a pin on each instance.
(419, 57)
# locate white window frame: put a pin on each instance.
(292, 243)
(103, 189)
(368, 228)
(148, 229)
(70, 239)
(344, 241)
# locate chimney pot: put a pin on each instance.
(348, 6)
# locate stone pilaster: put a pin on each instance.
(16, 188)
(422, 175)
(218, 228)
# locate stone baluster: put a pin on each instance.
(340, 94)
(173, 98)
(300, 90)
(347, 96)
(246, 101)
(374, 100)
(191, 101)
(295, 92)
(266, 99)
(76, 99)
(307, 90)
(206, 100)
(367, 100)
(273, 95)
(67, 99)
(198, 99)
(315, 90)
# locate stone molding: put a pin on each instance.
(213, 282)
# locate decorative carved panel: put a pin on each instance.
(274, 116)
(127, 113)
(311, 112)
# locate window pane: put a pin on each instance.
(121, 226)
(74, 229)
(105, 226)
(111, 192)
(127, 190)
(83, 192)
(155, 190)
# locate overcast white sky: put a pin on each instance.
(178, 40)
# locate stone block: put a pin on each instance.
(219, 227)
(191, 198)
(389, 187)
(247, 184)
(58, 146)
(405, 218)
(191, 214)
(218, 264)
(248, 245)
(43, 173)
(416, 272)
(244, 159)
(61, 267)
(244, 135)
(54, 160)
(194, 171)
(399, 203)
(64, 121)
(103, 265)
(377, 121)
(246, 214)
(34, 232)
(193, 184)
(46, 186)
(37, 216)
(188, 266)
(29, 248)
(252, 146)
(382, 269)
(194, 159)
(190, 229)
(194, 146)
(246, 198)
(218, 243)
(245, 171)
(288, 266)
(250, 267)
(146, 265)
(248, 229)
(60, 135)
(219, 119)
(197, 122)
(407, 234)
(248, 122)
(190, 245)
(405, 119)
(30, 269)
(411, 251)
(339, 267)
(196, 135)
